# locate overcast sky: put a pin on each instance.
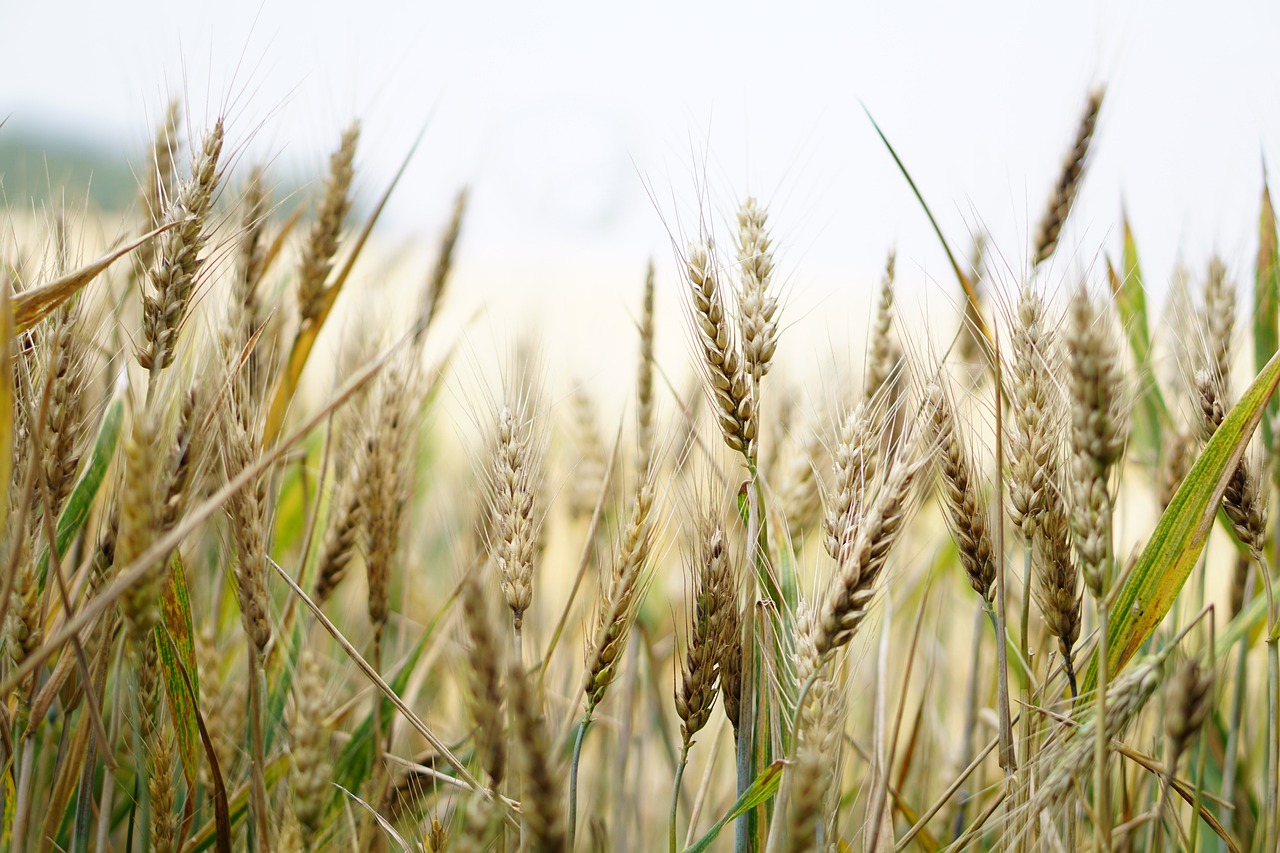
(586, 130)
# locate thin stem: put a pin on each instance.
(747, 706)
(23, 808)
(970, 723)
(1233, 728)
(1102, 792)
(1008, 761)
(258, 787)
(675, 797)
(573, 776)
(1024, 630)
(1273, 744)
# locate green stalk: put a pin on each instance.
(1229, 769)
(1102, 788)
(573, 776)
(1273, 744)
(675, 797)
(257, 780)
(748, 704)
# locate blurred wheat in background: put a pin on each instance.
(295, 559)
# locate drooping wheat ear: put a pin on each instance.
(331, 214)
(722, 361)
(715, 596)
(1097, 433)
(309, 745)
(139, 522)
(1069, 181)
(854, 462)
(391, 448)
(816, 748)
(861, 563)
(1187, 703)
(970, 346)
(884, 361)
(1064, 762)
(541, 809)
(66, 351)
(621, 594)
(342, 534)
(758, 309)
(962, 498)
(177, 262)
(485, 680)
(514, 480)
(1219, 321)
(583, 488)
(644, 378)
(1245, 500)
(1055, 580)
(157, 190)
(248, 509)
(1036, 404)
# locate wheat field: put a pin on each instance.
(291, 566)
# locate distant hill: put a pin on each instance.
(34, 162)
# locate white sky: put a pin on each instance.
(562, 118)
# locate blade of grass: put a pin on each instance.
(967, 285)
(1266, 298)
(1180, 534)
(176, 650)
(757, 793)
(1131, 301)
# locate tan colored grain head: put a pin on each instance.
(963, 499)
(331, 214)
(1069, 181)
(727, 380)
(179, 256)
(757, 307)
(311, 768)
(484, 676)
(1098, 432)
(622, 591)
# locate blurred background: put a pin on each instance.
(595, 135)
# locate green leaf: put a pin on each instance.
(1180, 534)
(1266, 297)
(760, 791)
(86, 489)
(1131, 302)
(175, 643)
